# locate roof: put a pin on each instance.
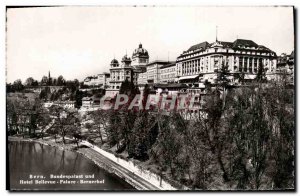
(244, 42)
(173, 85)
(201, 46)
(160, 62)
(140, 51)
(188, 77)
(126, 58)
(114, 61)
(86, 98)
(237, 44)
(226, 44)
(168, 65)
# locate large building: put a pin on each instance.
(140, 57)
(202, 61)
(285, 66)
(285, 62)
(129, 69)
(153, 71)
(101, 80)
(120, 72)
(168, 73)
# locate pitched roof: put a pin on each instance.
(159, 62)
(226, 44)
(201, 46)
(244, 42)
(168, 65)
(292, 54)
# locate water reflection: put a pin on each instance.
(27, 158)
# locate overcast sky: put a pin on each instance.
(79, 41)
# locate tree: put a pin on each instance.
(282, 121)
(44, 80)
(18, 86)
(44, 121)
(222, 81)
(54, 81)
(200, 155)
(29, 81)
(146, 93)
(60, 81)
(142, 136)
(215, 131)
(45, 92)
(100, 118)
(261, 74)
(11, 117)
(167, 146)
(128, 88)
(65, 121)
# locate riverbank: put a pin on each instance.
(48, 141)
(130, 173)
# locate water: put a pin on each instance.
(29, 158)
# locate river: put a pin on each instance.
(41, 161)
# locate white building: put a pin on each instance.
(140, 57)
(127, 70)
(168, 73)
(87, 102)
(241, 56)
(98, 80)
(152, 74)
(64, 104)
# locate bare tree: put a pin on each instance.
(65, 121)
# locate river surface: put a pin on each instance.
(30, 158)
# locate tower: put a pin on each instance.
(140, 57)
(49, 78)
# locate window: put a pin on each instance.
(245, 64)
(250, 64)
(240, 64)
(255, 65)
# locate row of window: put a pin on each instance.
(198, 66)
(167, 70)
(173, 75)
(193, 54)
(194, 67)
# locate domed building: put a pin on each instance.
(114, 63)
(118, 74)
(140, 57)
(126, 61)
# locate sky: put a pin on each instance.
(79, 41)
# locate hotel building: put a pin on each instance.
(202, 61)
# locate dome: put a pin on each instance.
(114, 61)
(140, 51)
(126, 58)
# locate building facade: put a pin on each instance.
(285, 66)
(153, 71)
(241, 56)
(142, 78)
(98, 80)
(129, 69)
(285, 62)
(168, 73)
(120, 72)
(140, 57)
